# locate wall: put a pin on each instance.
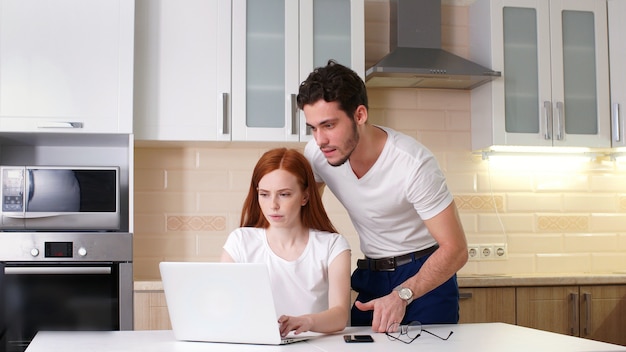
(553, 215)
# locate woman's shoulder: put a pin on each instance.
(323, 234)
(247, 232)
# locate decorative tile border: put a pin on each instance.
(563, 223)
(195, 223)
(479, 202)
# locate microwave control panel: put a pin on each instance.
(12, 190)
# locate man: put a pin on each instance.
(397, 199)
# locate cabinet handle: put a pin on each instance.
(225, 104)
(67, 124)
(294, 115)
(573, 327)
(44, 270)
(560, 121)
(616, 123)
(587, 328)
(465, 295)
(547, 112)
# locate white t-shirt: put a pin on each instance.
(300, 286)
(388, 204)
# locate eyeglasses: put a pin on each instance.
(412, 330)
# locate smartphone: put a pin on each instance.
(358, 338)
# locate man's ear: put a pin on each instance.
(360, 115)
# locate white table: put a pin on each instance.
(488, 337)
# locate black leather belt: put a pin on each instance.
(391, 263)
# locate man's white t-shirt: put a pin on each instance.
(388, 204)
(300, 286)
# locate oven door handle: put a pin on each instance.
(56, 270)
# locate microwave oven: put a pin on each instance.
(58, 198)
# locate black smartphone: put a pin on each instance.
(358, 338)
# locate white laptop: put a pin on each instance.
(222, 302)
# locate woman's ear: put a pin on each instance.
(305, 199)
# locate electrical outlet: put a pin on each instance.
(473, 252)
(499, 251)
(486, 251)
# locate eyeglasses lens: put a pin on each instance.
(410, 331)
(413, 329)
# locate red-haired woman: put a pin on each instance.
(284, 224)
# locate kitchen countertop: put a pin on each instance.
(483, 337)
(559, 279)
(489, 280)
(148, 285)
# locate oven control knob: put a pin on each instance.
(34, 252)
(82, 251)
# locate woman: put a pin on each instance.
(284, 224)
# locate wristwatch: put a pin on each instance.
(405, 294)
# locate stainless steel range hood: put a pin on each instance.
(416, 59)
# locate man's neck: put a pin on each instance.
(371, 143)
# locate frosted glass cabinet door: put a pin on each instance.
(330, 29)
(331, 32)
(527, 81)
(580, 78)
(617, 56)
(265, 70)
(511, 36)
(66, 66)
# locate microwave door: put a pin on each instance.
(52, 191)
(60, 198)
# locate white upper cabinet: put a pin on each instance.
(265, 70)
(617, 55)
(182, 70)
(555, 85)
(276, 44)
(330, 29)
(230, 69)
(66, 66)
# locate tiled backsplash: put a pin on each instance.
(553, 218)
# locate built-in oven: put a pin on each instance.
(63, 281)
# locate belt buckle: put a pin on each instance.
(387, 264)
(405, 259)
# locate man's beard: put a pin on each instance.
(351, 144)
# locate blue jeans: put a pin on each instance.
(439, 306)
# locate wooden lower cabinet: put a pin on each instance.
(487, 305)
(548, 308)
(593, 312)
(151, 311)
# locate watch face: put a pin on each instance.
(405, 293)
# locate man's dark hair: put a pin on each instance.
(334, 82)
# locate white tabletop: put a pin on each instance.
(488, 337)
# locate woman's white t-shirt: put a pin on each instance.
(300, 286)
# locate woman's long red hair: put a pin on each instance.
(313, 215)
